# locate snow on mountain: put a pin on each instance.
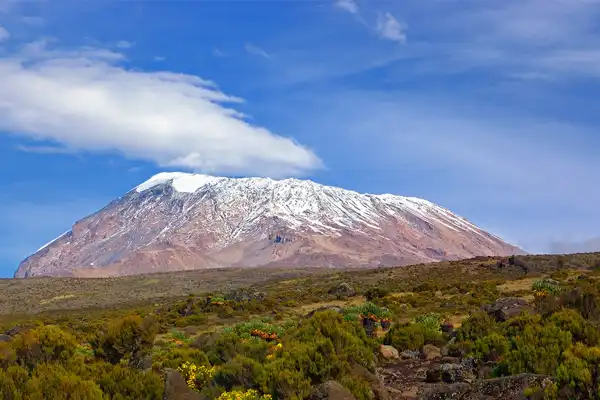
(179, 221)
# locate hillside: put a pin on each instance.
(178, 221)
(248, 335)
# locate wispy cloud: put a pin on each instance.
(218, 53)
(389, 28)
(347, 5)
(84, 99)
(159, 58)
(33, 21)
(4, 35)
(124, 44)
(386, 26)
(45, 149)
(255, 50)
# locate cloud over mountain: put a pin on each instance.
(85, 99)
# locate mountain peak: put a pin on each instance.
(205, 221)
(181, 181)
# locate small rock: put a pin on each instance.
(177, 389)
(15, 330)
(430, 352)
(389, 352)
(4, 338)
(410, 354)
(331, 390)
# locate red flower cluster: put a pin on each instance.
(264, 335)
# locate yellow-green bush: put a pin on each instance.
(130, 339)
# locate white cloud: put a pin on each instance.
(255, 50)
(389, 28)
(159, 58)
(86, 100)
(347, 5)
(124, 44)
(3, 34)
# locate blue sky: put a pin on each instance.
(488, 108)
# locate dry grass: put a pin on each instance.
(57, 298)
(517, 285)
(306, 308)
(43, 295)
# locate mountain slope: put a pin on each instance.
(178, 221)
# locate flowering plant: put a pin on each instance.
(196, 376)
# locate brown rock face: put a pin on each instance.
(180, 221)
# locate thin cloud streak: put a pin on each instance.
(255, 50)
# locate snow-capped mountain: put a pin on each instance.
(177, 221)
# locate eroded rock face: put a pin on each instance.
(185, 221)
(506, 388)
(450, 373)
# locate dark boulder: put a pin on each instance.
(331, 390)
(4, 338)
(508, 307)
(377, 383)
(343, 290)
(176, 388)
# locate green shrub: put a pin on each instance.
(537, 350)
(478, 325)
(241, 372)
(376, 292)
(411, 336)
(546, 287)
(491, 348)
(129, 339)
(52, 381)
(432, 322)
(8, 355)
(225, 347)
(581, 329)
(42, 345)
(12, 382)
(174, 357)
(120, 383)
